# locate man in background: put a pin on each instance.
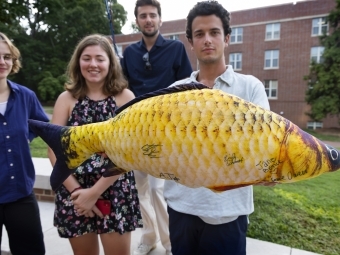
(153, 63)
(202, 222)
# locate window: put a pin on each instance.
(319, 26)
(271, 59)
(173, 37)
(314, 125)
(236, 35)
(273, 31)
(271, 88)
(235, 60)
(316, 54)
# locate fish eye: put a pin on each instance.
(333, 153)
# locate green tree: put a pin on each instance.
(49, 86)
(46, 34)
(134, 27)
(119, 16)
(323, 94)
(11, 11)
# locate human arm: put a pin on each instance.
(259, 95)
(36, 112)
(61, 112)
(84, 199)
(123, 66)
(183, 68)
(260, 98)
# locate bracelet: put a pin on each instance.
(75, 189)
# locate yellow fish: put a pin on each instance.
(196, 136)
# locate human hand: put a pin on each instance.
(84, 202)
(93, 212)
(103, 155)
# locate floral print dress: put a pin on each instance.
(125, 213)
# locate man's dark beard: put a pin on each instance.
(150, 35)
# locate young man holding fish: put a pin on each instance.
(153, 63)
(201, 221)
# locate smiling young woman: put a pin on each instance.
(95, 88)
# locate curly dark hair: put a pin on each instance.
(206, 8)
(154, 3)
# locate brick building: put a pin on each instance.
(275, 44)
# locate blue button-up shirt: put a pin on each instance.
(17, 174)
(169, 62)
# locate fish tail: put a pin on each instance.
(52, 135)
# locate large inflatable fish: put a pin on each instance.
(196, 136)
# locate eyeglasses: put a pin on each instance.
(147, 63)
(7, 58)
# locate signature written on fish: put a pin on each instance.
(118, 117)
(278, 179)
(269, 165)
(168, 176)
(232, 159)
(301, 173)
(289, 176)
(152, 150)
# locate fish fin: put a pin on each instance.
(225, 188)
(59, 174)
(113, 170)
(51, 134)
(164, 91)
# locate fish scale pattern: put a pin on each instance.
(195, 133)
(204, 138)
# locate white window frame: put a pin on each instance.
(314, 125)
(271, 87)
(174, 37)
(319, 24)
(271, 61)
(273, 31)
(316, 54)
(236, 35)
(235, 60)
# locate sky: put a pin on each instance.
(179, 9)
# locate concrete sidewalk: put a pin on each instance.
(60, 246)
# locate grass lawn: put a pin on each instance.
(48, 109)
(303, 215)
(38, 148)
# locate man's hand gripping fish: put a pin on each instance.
(196, 136)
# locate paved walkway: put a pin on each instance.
(60, 246)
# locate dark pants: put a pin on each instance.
(22, 221)
(189, 235)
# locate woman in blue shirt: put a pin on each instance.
(19, 211)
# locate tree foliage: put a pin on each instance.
(46, 32)
(10, 12)
(323, 94)
(134, 27)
